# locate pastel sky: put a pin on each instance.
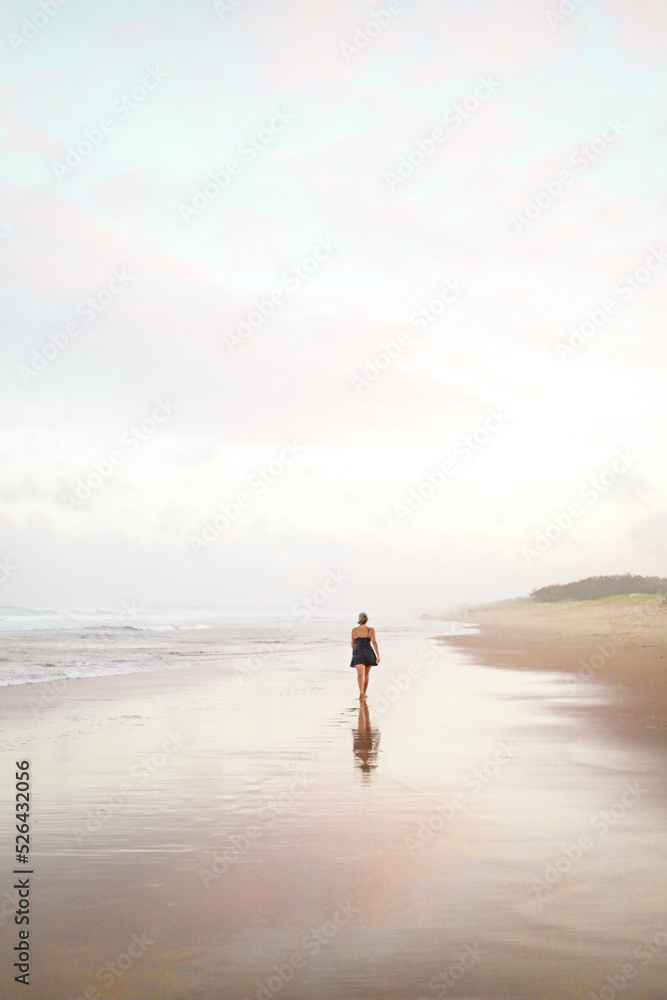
(532, 183)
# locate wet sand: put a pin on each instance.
(465, 836)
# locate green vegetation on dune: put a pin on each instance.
(594, 588)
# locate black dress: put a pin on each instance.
(363, 652)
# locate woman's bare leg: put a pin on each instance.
(361, 678)
(368, 674)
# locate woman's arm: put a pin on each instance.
(353, 637)
(374, 643)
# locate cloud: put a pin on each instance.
(194, 285)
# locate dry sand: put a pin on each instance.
(620, 641)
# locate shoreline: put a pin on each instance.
(195, 834)
(620, 641)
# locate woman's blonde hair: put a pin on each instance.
(363, 618)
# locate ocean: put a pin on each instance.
(41, 645)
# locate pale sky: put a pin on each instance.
(498, 169)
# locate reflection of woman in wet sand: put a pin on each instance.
(366, 741)
(363, 657)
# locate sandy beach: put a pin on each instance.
(465, 835)
(619, 641)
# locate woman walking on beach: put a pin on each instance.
(363, 657)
